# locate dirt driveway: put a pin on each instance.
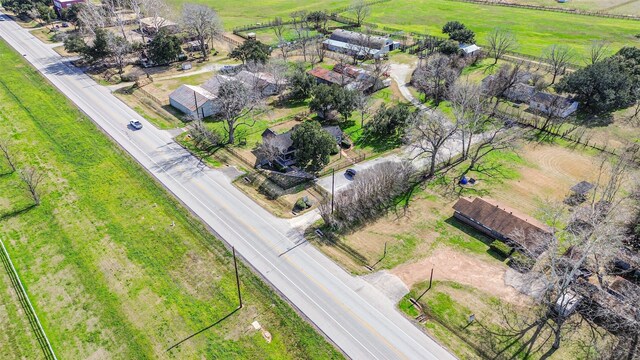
(465, 269)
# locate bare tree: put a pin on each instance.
(237, 101)
(558, 57)
(203, 138)
(301, 27)
(92, 17)
(361, 10)
(377, 74)
(157, 10)
(319, 49)
(505, 79)
(137, 6)
(370, 194)
(279, 28)
(278, 70)
(559, 279)
(500, 42)
(427, 135)
(363, 106)
(201, 22)
(467, 105)
(271, 148)
(32, 178)
(113, 10)
(120, 48)
(598, 50)
(5, 149)
(496, 137)
(435, 77)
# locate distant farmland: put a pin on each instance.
(535, 29)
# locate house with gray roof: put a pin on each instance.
(520, 92)
(553, 104)
(286, 159)
(194, 101)
(362, 45)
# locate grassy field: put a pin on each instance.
(624, 7)
(17, 339)
(535, 30)
(115, 268)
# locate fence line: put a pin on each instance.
(347, 8)
(231, 41)
(41, 336)
(552, 9)
(152, 97)
(563, 134)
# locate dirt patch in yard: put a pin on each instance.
(451, 265)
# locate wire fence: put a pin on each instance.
(553, 9)
(23, 298)
(576, 134)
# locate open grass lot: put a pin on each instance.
(535, 30)
(116, 268)
(624, 7)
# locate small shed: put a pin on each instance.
(582, 188)
(470, 49)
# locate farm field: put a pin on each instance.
(535, 30)
(623, 7)
(115, 268)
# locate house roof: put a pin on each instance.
(285, 143)
(356, 38)
(468, 49)
(520, 92)
(213, 85)
(187, 95)
(507, 222)
(327, 75)
(555, 100)
(582, 187)
(351, 47)
(335, 131)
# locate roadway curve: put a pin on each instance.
(358, 318)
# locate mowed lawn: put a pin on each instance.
(116, 268)
(535, 30)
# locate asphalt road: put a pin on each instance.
(358, 318)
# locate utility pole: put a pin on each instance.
(195, 99)
(333, 183)
(235, 265)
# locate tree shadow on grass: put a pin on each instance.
(13, 213)
(468, 230)
(333, 240)
(203, 329)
